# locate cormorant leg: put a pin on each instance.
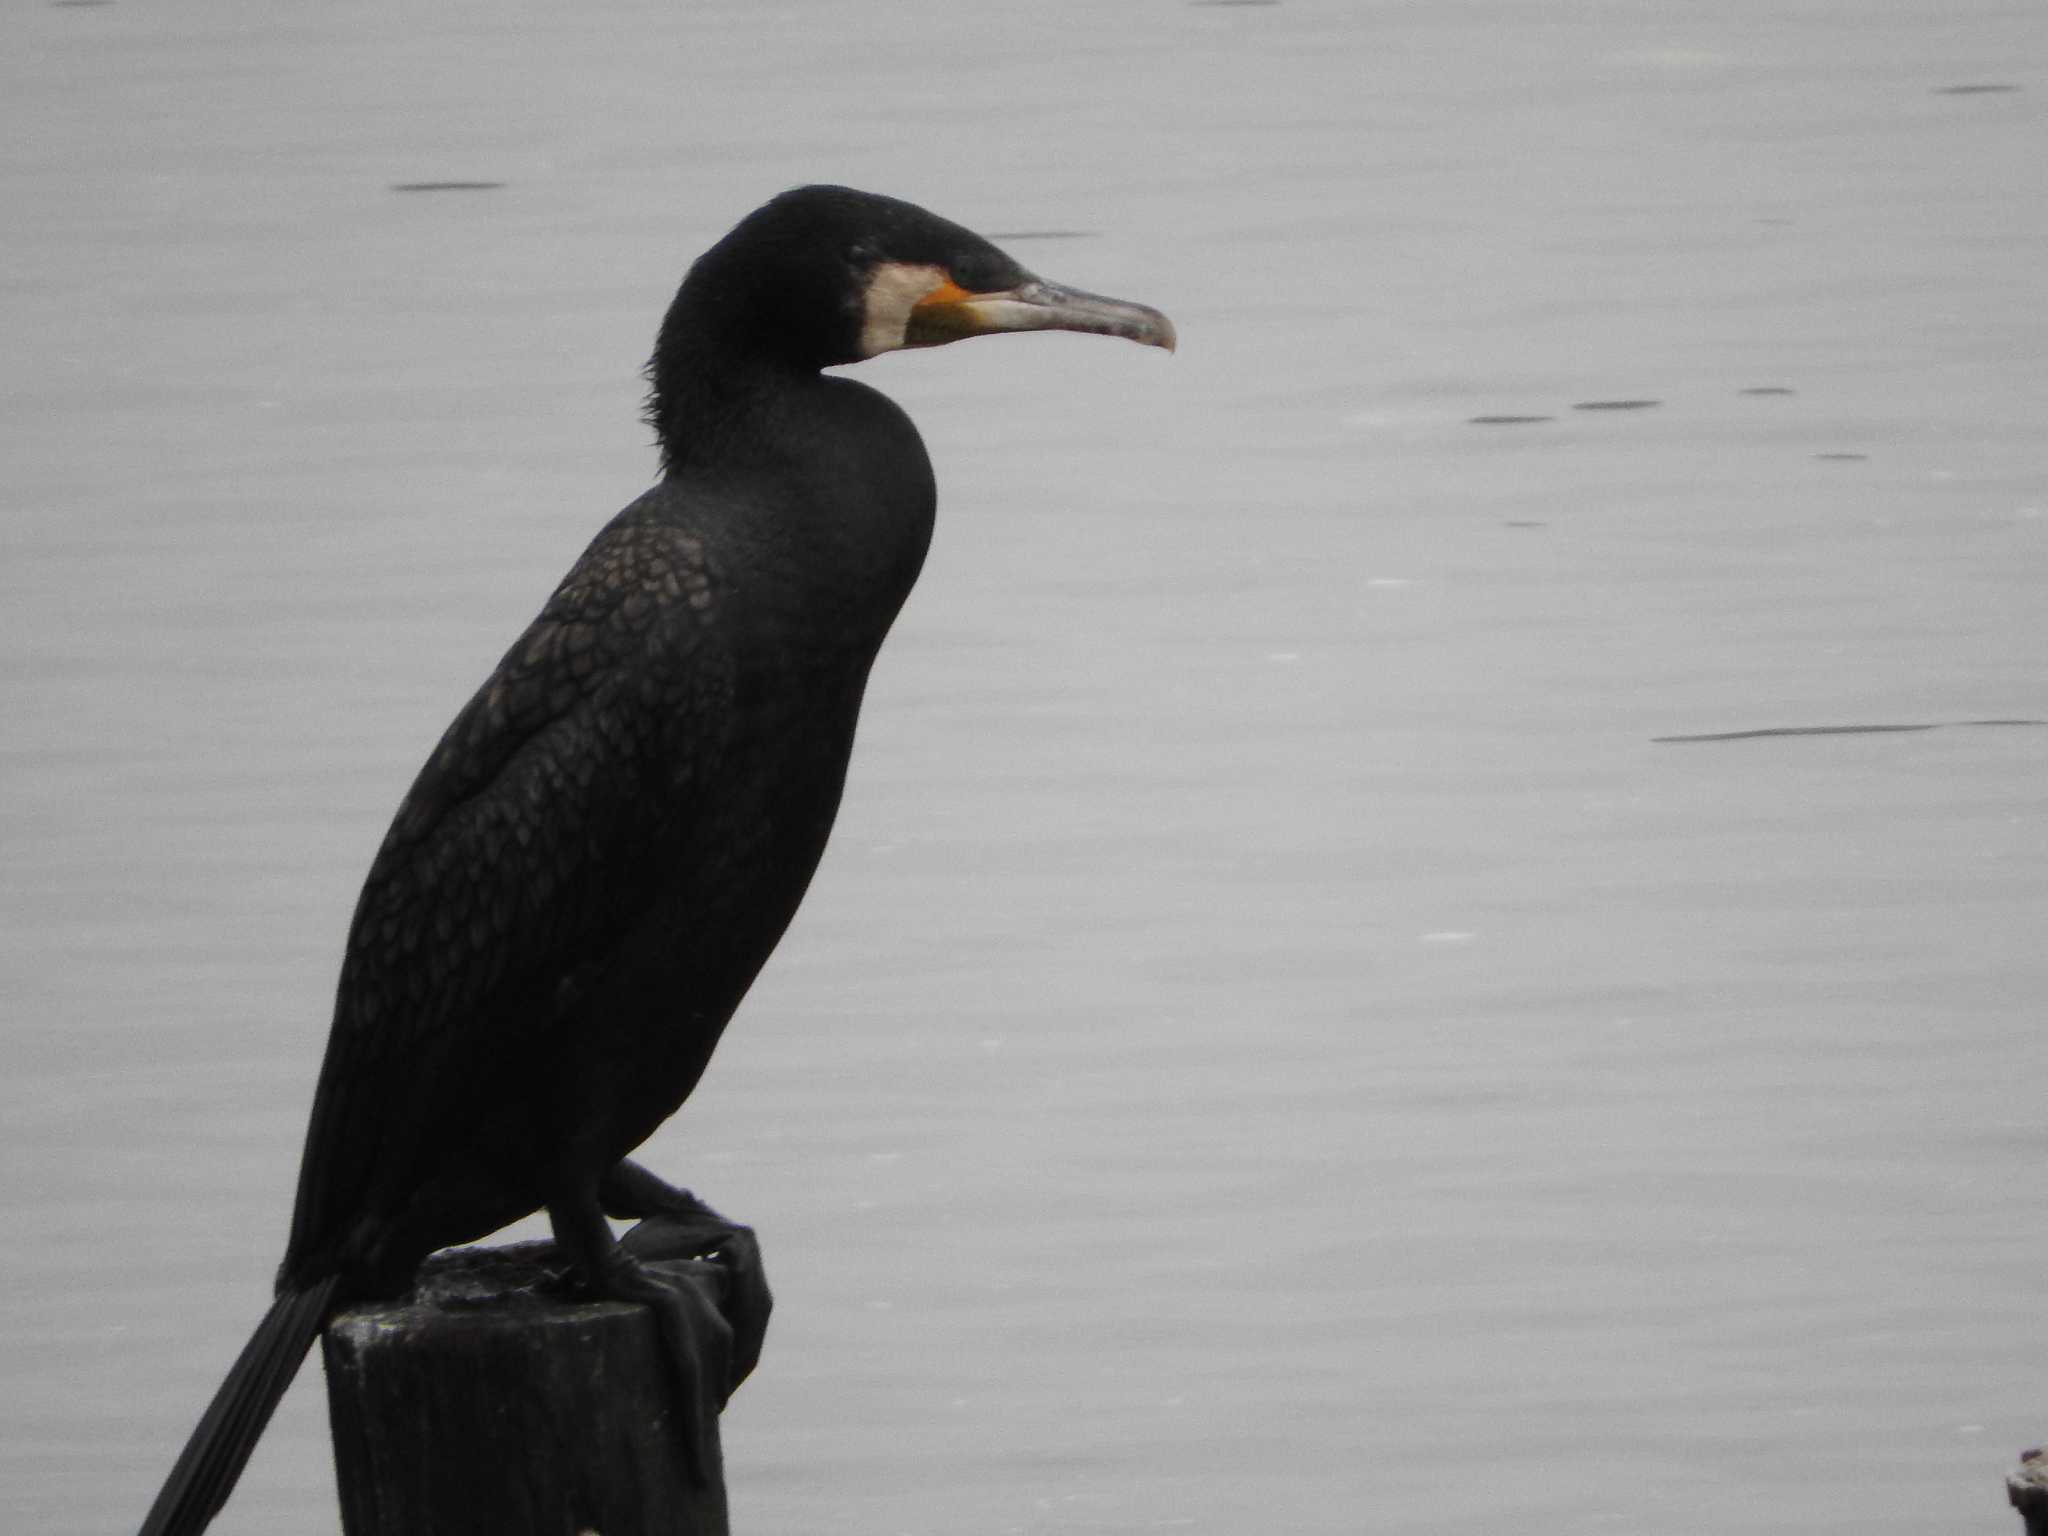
(636, 1193)
(697, 1336)
(678, 1223)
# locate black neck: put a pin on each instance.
(710, 397)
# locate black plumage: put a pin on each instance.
(614, 832)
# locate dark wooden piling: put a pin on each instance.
(494, 1399)
(2027, 1487)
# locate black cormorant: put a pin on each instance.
(614, 832)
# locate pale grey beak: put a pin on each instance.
(949, 315)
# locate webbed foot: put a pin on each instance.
(686, 1302)
(675, 1224)
(695, 1336)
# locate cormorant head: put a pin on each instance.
(826, 275)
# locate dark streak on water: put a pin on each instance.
(446, 186)
(1839, 730)
(1768, 389)
(1506, 421)
(1974, 90)
(1523, 522)
(1615, 405)
(1843, 458)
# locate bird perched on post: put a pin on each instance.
(609, 840)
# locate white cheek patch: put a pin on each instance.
(894, 289)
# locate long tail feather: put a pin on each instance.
(219, 1448)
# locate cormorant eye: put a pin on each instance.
(979, 272)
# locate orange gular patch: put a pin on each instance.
(895, 289)
(948, 292)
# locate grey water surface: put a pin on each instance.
(1284, 1040)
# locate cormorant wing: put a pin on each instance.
(527, 843)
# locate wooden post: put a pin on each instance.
(494, 1399)
(2027, 1487)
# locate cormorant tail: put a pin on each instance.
(219, 1448)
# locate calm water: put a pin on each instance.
(1277, 1044)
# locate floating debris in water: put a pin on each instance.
(1839, 730)
(1843, 458)
(1044, 234)
(446, 186)
(1767, 389)
(1615, 405)
(1974, 90)
(1506, 421)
